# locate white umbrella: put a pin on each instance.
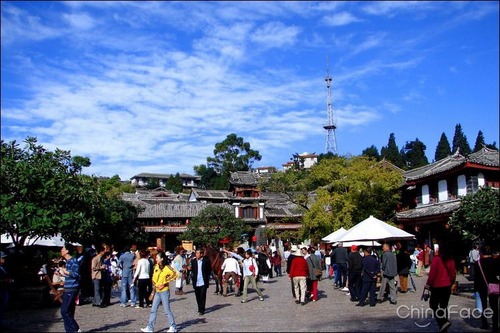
(359, 243)
(334, 236)
(373, 229)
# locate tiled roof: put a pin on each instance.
(211, 194)
(429, 210)
(176, 210)
(486, 157)
(163, 175)
(243, 178)
(279, 205)
(440, 166)
(145, 196)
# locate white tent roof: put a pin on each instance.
(334, 236)
(358, 243)
(374, 229)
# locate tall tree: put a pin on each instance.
(443, 148)
(479, 142)
(414, 154)
(232, 154)
(353, 189)
(391, 152)
(460, 141)
(43, 194)
(174, 183)
(371, 151)
(209, 179)
(213, 224)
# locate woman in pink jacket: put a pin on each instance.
(441, 277)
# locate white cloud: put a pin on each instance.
(79, 21)
(340, 19)
(275, 34)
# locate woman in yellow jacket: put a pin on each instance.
(162, 276)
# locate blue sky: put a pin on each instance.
(153, 86)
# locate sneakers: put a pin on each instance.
(137, 306)
(261, 298)
(243, 301)
(123, 305)
(146, 330)
(172, 329)
(345, 289)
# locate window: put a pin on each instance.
(248, 213)
(462, 185)
(442, 190)
(425, 195)
(472, 185)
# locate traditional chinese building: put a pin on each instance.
(431, 193)
(166, 214)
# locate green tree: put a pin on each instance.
(391, 152)
(209, 179)
(294, 184)
(174, 183)
(479, 142)
(232, 154)
(43, 194)
(414, 154)
(460, 141)
(152, 183)
(478, 216)
(372, 152)
(213, 224)
(443, 148)
(354, 188)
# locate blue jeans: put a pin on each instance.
(164, 298)
(68, 311)
(127, 283)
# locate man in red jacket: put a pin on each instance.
(299, 271)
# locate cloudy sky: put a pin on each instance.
(153, 86)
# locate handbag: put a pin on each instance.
(426, 294)
(252, 268)
(318, 272)
(493, 288)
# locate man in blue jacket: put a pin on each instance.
(71, 288)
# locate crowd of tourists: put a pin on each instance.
(143, 276)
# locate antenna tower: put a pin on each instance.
(330, 127)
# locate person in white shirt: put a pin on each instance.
(143, 278)
(230, 269)
(250, 271)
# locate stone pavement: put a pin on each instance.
(279, 313)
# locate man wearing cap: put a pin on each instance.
(299, 271)
(354, 267)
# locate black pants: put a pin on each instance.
(354, 284)
(142, 285)
(342, 269)
(439, 303)
(201, 298)
(493, 299)
(368, 287)
(106, 290)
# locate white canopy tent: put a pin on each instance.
(334, 236)
(359, 243)
(56, 240)
(373, 229)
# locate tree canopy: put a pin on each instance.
(460, 141)
(371, 151)
(43, 193)
(478, 216)
(392, 153)
(213, 224)
(443, 148)
(413, 154)
(230, 155)
(349, 190)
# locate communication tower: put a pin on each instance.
(330, 127)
